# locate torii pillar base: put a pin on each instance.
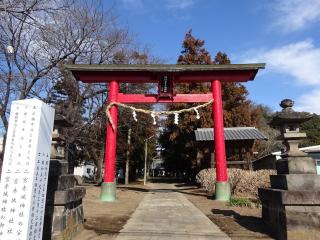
(108, 192)
(222, 191)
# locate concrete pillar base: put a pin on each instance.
(222, 191)
(108, 192)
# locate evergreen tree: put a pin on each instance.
(312, 128)
(193, 51)
(179, 141)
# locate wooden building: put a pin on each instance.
(239, 142)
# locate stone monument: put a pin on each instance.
(25, 170)
(64, 211)
(291, 207)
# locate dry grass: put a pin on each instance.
(244, 183)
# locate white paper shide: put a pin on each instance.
(25, 170)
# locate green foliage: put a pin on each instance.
(312, 128)
(263, 148)
(240, 202)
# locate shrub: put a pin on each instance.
(244, 183)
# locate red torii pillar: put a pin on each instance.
(108, 187)
(222, 186)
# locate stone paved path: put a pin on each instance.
(166, 214)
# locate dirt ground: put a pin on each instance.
(238, 222)
(103, 220)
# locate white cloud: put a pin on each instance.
(294, 15)
(179, 4)
(299, 60)
(309, 102)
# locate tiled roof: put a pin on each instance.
(230, 134)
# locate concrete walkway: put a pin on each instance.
(166, 214)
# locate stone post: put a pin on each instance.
(291, 207)
(25, 170)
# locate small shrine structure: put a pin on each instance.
(239, 142)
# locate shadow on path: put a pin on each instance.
(183, 190)
(137, 189)
(254, 224)
(180, 187)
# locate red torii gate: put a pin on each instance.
(166, 75)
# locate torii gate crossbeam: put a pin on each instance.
(166, 75)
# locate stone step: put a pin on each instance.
(289, 197)
(295, 181)
(296, 165)
(58, 167)
(67, 196)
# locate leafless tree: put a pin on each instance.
(30, 8)
(45, 34)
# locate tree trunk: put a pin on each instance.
(249, 158)
(2, 154)
(99, 167)
(128, 157)
(212, 159)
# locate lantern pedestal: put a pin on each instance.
(291, 214)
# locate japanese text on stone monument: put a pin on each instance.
(25, 170)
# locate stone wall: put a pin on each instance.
(64, 209)
(293, 215)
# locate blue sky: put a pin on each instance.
(282, 33)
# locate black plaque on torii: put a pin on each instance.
(165, 87)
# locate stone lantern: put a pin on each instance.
(291, 207)
(64, 209)
(58, 140)
(294, 161)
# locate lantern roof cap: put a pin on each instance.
(288, 115)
